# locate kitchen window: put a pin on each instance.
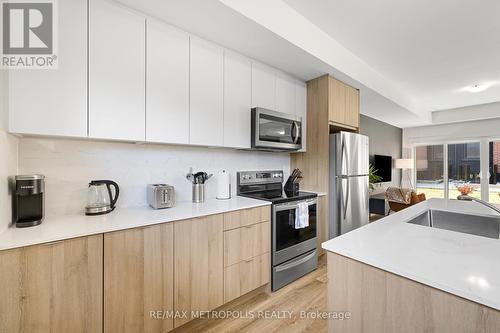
(464, 165)
(430, 171)
(473, 150)
(494, 170)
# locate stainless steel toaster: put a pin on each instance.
(161, 196)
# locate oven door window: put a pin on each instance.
(287, 235)
(274, 129)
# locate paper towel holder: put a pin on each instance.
(224, 196)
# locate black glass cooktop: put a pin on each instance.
(279, 197)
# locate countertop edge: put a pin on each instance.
(12, 237)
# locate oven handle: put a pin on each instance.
(292, 264)
(293, 205)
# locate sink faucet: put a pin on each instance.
(468, 198)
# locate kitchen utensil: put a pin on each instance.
(161, 196)
(100, 199)
(198, 179)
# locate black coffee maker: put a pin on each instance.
(29, 200)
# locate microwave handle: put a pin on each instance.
(296, 131)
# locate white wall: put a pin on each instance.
(385, 139)
(70, 164)
(467, 113)
(456, 132)
(8, 156)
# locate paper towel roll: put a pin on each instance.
(223, 185)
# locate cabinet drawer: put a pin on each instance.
(239, 218)
(246, 242)
(246, 276)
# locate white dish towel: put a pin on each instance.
(302, 215)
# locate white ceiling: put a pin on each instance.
(402, 73)
(431, 49)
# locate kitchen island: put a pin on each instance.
(394, 276)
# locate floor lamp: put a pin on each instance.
(404, 164)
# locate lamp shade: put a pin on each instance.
(403, 163)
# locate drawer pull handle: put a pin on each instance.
(248, 260)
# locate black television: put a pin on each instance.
(383, 166)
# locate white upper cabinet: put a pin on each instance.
(301, 109)
(167, 82)
(117, 72)
(263, 86)
(54, 102)
(285, 93)
(237, 100)
(206, 93)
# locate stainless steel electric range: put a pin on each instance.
(294, 251)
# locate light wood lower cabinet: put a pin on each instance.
(53, 287)
(130, 280)
(246, 276)
(246, 251)
(138, 279)
(246, 242)
(243, 217)
(382, 302)
(198, 282)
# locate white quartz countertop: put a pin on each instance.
(458, 263)
(70, 226)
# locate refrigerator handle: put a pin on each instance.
(342, 154)
(347, 197)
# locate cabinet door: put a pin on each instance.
(244, 217)
(301, 109)
(167, 81)
(54, 287)
(237, 100)
(255, 240)
(337, 101)
(246, 276)
(285, 93)
(54, 102)
(198, 281)
(206, 93)
(352, 107)
(263, 86)
(246, 242)
(116, 73)
(138, 279)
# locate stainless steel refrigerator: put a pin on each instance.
(349, 201)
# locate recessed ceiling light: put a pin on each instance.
(477, 88)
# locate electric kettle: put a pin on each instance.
(100, 199)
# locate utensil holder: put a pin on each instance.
(198, 192)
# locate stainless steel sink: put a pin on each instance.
(480, 225)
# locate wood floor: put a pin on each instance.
(306, 294)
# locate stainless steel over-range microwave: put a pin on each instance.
(278, 131)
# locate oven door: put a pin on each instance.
(289, 242)
(275, 130)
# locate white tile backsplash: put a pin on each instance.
(70, 164)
